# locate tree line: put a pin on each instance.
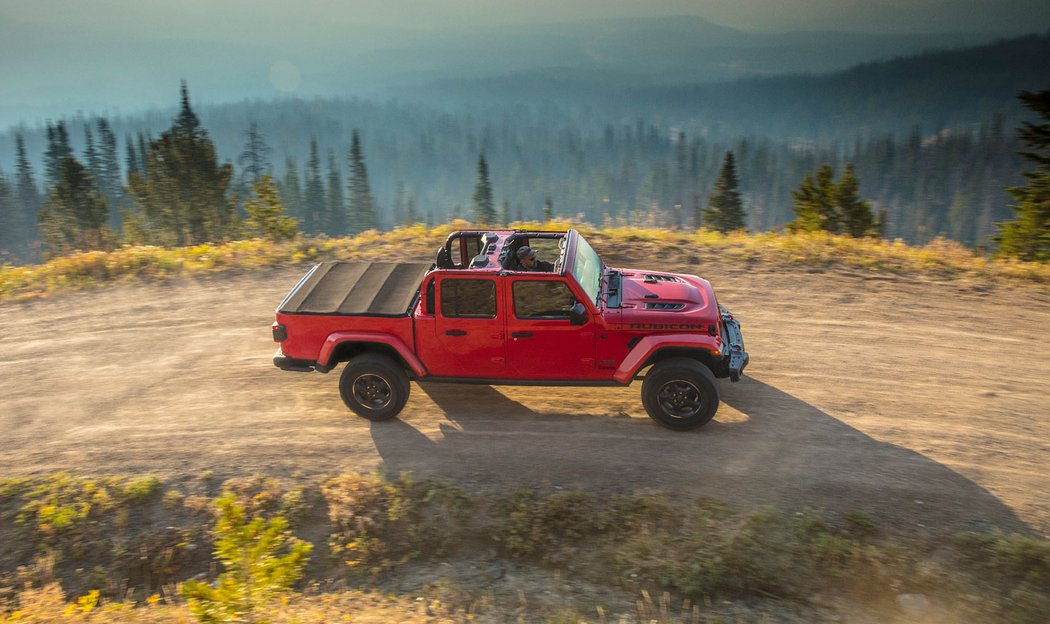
(173, 189)
(176, 193)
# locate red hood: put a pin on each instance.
(655, 297)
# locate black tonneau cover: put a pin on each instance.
(357, 288)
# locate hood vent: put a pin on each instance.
(664, 306)
(652, 279)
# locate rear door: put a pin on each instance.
(468, 328)
(542, 343)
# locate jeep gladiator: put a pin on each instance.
(475, 315)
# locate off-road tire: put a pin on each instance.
(374, 386)
(680, 394)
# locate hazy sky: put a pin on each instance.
(247, 20)
(60, 56)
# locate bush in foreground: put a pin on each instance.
(381, 531)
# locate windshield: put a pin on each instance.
(587, 269)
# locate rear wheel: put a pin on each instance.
(374, 386)
(680, 394)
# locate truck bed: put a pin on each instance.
(356, 289)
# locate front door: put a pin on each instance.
(542, 343)
(469, 329)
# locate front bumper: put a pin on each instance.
(283, 362)
(738, 358)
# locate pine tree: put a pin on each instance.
(484, 210)
(109, 177)
(362, 205)
(58, 150)
(262, 560)
(725, 208)
(254, 157)
(266, 213)
(314, 196)
(336, 205)
(503, 217)
(144, 139)
(548, 209)
(814, 203)
(411, 212)
(187, 124)
(27, 198)
(76, 213)
(857, 218)
(9, 217)
(131, 159)
(91, 156)
(291, 190)
(181, 199)
(1028, 236)
(399, 210)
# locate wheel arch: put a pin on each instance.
(701, 355)
(343, 346)
(346, 351)
(654, 349)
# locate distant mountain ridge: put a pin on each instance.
(931, 90)
(668, 50)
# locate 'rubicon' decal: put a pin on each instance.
(667, 326)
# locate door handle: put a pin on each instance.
(521, 335)
(455, 332)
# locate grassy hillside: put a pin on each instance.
(940, 259)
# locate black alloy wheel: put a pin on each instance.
(374, 386)
(372, 391)
(680, 399)
(680, 393)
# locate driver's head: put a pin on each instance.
(527, 257)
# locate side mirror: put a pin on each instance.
(577, 314)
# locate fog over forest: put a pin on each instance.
(621, 120)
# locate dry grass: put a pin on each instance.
(49, 605)
(366, 528)
(940, 258)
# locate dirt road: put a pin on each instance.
(922, 403)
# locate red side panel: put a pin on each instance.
(313, 337)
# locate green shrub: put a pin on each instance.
(261, 560)
(551, 527)
(1018, 565)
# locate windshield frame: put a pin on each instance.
(587, 263)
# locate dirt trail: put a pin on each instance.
(922, 403)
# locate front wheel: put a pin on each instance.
(680, 394)
(374, 386)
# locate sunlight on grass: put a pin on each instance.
(942, 259)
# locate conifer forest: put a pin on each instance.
(185, 175)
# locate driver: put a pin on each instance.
(528, 262)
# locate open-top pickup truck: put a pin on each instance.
(477, 315)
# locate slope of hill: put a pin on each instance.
(932, 90)
(666, 50)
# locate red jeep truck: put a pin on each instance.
(476, 315)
